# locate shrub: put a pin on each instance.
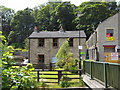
(64, 82)
(18, 77)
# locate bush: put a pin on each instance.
(64, 82)
(18, 77)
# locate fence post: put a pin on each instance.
(91, 69)
(59, 75)
(50, 66)
(38, 76)
(105, 75)
(83, 67)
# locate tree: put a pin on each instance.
(7, 15)
(65, 58)
(52, 16)
(93, 13)
(22, 26)
(66, 16)
(45, 17)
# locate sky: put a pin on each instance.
(22, 4)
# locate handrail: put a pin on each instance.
(103, 71)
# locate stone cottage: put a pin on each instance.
(104, 43)
(44, 45)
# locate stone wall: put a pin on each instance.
(49, 51)
(20, 53)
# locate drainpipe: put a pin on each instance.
(97, 54)
(28, 50)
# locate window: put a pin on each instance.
(70, 42)
(118, 50)
(40, 58)
(109, 49)
(41, 42)
(109, 35)
(55, 42)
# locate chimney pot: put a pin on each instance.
(61, 29)
(35, 29)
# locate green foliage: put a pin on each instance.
(6, 53)
(22, 26)
(14, 77)
(62, 54)
(43, 84)
(18, 77)
(64, 82)
(70, 62)
(20, 49)
(66, 16)
(26, 43)
(93, 13)
(7, 15)
(65, 58)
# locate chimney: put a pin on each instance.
(36, 29)
(61, 29)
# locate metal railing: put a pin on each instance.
(108, 73)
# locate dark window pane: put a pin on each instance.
(55, 42)
(40, 58)
(41, 42)
(118, 50)
(70, 42)
(109, 33)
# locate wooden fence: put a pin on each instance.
(59, 74)
(108, 73)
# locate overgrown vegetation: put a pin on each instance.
(14, 77)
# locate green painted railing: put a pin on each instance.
(108, 73)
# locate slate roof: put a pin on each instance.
(57, 34)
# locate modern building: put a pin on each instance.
(44, 45)
(104, 43)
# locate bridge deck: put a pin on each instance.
(94, 84)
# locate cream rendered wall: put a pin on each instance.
(110, 23)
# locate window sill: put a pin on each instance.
(55, 47)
